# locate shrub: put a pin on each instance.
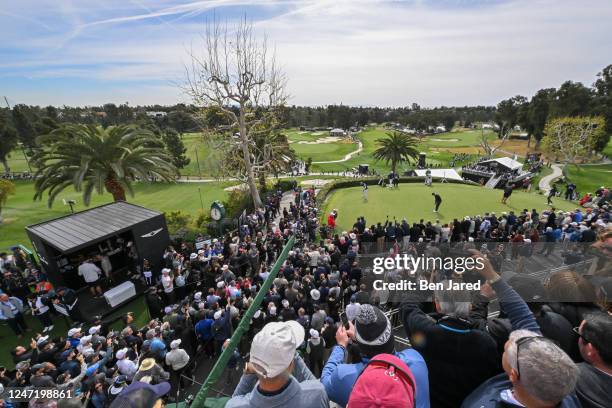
(177, 221)
(237, 201)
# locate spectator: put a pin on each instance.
(595, 378)
(274, 375)
(11, 311)
(374, 335)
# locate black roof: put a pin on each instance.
(80, 229)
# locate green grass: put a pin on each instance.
(414, 201)
(17, 162)
(21, 210)
(464, 138)
(318, 152)
(588, 177)
(607, 151)
(369, 137)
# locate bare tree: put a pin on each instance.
(237, 75)
(489, 149)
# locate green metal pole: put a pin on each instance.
(243, 326)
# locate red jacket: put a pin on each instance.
(331, 221)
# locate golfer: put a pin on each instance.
(507, 193)
(364, 191)
(551, 193)
(437, 201)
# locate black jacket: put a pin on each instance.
(459, 358)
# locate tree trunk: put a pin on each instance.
(115, 188)
(4, 161)
(244, 141)
(393, 166)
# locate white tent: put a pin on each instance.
(506, 162)
(439, 173)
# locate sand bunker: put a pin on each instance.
(315, 182)
(323, 140)
(237, 187)
(443, 140)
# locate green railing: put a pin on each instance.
(200, 400)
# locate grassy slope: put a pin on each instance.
(20, 210)
(414, 201)
(589, 178)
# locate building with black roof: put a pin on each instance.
(124, 232)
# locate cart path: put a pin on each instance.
(545, 181)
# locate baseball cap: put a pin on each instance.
(140, 395)
(74, 331)
(273, 348)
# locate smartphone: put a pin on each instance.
(345, 321)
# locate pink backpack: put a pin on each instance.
(386, 382)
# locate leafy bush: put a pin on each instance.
(237, 201)
(177, 220)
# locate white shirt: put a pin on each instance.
(167, 283)
(89, 272)
(127, 367)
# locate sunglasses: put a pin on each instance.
(577, 331)
(524, 340)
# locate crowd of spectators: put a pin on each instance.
(321, 335)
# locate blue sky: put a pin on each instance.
(390, 53)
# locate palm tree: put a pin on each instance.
(92, 158)
(396, 148)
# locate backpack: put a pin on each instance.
(385, 382)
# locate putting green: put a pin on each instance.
(414, 201)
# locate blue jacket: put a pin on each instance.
(203, 329)
(339, 378)
(489, 395)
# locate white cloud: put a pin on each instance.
(354, 52)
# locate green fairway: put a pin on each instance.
(305, 146)
(465, 138)
(20, 210)
(369, 136)
(589, 178)
(414, 201)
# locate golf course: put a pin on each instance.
(414, 202)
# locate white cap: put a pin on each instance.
(225, 267)
(272, 311)
(167, 310)
(273, 348)
(314, 334)
(85, 339)
(257, 314)
(166, 270)
(285, 303)
(197, 296)
(175, 343)
(193, 256)
(121, 353)
(315, 294)
(41, 340)
(94, 329)
(218, 314)
(74, 331)
(220, 284)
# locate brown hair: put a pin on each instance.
(568, 286)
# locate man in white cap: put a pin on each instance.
(125, 366)
(176, 359)
(275, 376)
(168, 284)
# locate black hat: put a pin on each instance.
(140, 395)
(373, 331)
